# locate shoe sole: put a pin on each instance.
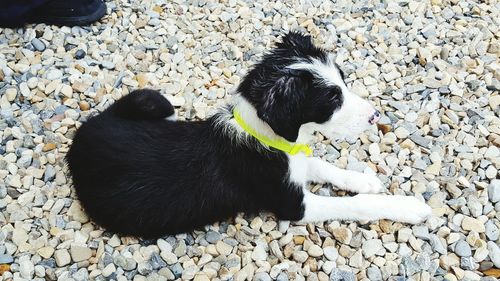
(74, 21)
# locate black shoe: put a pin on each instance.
(69, 12)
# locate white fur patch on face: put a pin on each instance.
(328, 71)
(354, 114)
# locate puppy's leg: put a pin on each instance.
(364, 207)
(144, 104)
(317, 170)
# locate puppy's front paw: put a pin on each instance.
(363, 183)
(410, 210)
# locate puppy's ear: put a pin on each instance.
(282, 107)
(295, 40)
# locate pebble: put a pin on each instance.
(462, 249)
(331, 253)
(38, 44)
(80, 253)
(494, 191)
(27, 269)
(262, 276)
(54, 74)
(212, 237)
(492, 231)
(79, 54)
(315, 251)
(45, 252)
(259, 253)
(6, 259)
(300, 256)
(11, 94)
(494, 253)
(108, 65)
(371, 247)
(341, 275)
(471, 224)
(62, 257)
(374, 274)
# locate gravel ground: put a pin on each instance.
(432, 68)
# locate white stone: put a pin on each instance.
(11, 94)
(371, 247)
(259, 253)
(494, 253)
(80, 253)
(62, 257)
(27, 269)
(494, 191)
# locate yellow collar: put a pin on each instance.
(280, 143)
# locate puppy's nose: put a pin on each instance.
(375, 117)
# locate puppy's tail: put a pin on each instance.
(144, 105)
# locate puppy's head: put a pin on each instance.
(299, 84)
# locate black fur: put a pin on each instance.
(287, 98)
(139, 174)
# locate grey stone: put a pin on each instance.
(421, 231)
(54, 74)
(212, 237)
(424, 261)
(462, 249)
(27, 269)
(494, 253)
(176, 270)
(411, 267)
(38, 44)
(410, 89)
(331, 253)
(374, 274)
(50, 173)
(420, 140)
(125, 263)
(261, 276)
(342, 275)
(3, 191)
(437, 245)
(144, 268)
(108, 65)
(467, 263)
(81, 275)
(156, 261)
(492, 231)
(6, 259)
(180, 250)
(80, 54)
(282, 277)
(494, 191)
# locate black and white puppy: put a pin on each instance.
(137, 172)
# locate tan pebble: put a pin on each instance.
(384, 128)
(45, 252)
(472, 224)
(142, 79)
(49, 146)
(11, 94)
(299, 240)
(67, 91)
(79, 87)
(84, 106)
